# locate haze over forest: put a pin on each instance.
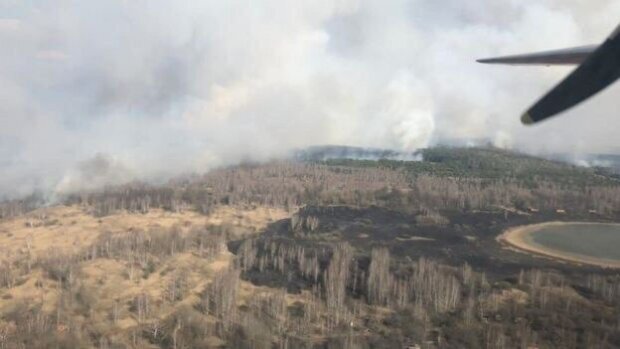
(302, 174)
(105, 92)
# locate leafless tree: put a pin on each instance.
(335, 282)
(379, 277)
(222, 296)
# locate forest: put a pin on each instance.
(363, 254)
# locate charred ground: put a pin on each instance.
(313, 253)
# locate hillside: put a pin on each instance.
(489, 163)
(311, 253)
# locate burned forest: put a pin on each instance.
(312, 252)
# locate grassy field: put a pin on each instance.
(106, 287)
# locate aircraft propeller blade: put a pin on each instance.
(599, 70)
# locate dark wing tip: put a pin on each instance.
(596, 73)
(526, 119)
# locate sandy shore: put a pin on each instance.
(518, 238)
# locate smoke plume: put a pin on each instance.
(148, 88)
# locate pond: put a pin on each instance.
(592, 240)
(592, 243)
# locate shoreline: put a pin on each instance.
(519, 239)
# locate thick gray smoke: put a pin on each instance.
(165, 87)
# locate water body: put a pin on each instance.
(599, 241)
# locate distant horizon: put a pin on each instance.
(99, 170)
(163, 89)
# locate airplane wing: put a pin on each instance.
(599, 70)
(569, 56)
(599, 67)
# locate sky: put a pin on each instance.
(105, 91)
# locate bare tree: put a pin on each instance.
(222, 295)
(379, 277)
(335, 282)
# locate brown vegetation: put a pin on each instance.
(294, 254)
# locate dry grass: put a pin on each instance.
(108, 284)
(69, 229)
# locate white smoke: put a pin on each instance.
(165, 88)
(97, 172)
